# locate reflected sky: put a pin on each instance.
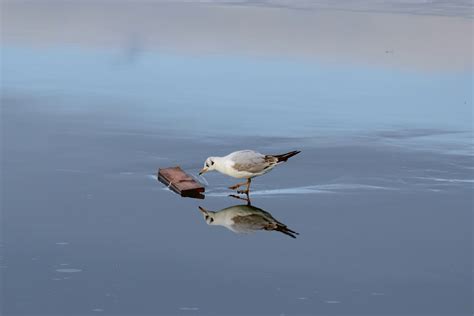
(96, 96)
(235, 95)
(246, 68)
(430, 42)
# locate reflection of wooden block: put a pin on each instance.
(180, 182)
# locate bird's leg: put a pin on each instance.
(246, 191)
(247, 199)
(238, 185)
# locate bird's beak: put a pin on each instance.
(202, 209)
(203, 170)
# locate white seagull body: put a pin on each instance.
(245, 219)
(245, 164)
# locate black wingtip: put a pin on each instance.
(285, 230)
(284, 157)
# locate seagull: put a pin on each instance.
(245, 219)
(245, 164)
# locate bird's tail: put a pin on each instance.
(285, 230)
(284, 157)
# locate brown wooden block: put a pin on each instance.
(180, 182)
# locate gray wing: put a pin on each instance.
(251, 161)
(249, 223)
(252, 218)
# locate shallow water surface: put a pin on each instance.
(87, 227)
(381, 194)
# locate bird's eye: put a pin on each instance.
(212, 162)
(207, 217)
(211, 220)
(207, 165)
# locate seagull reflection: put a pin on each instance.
(245, 219)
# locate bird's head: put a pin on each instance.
(208, 215)
(209, 165)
